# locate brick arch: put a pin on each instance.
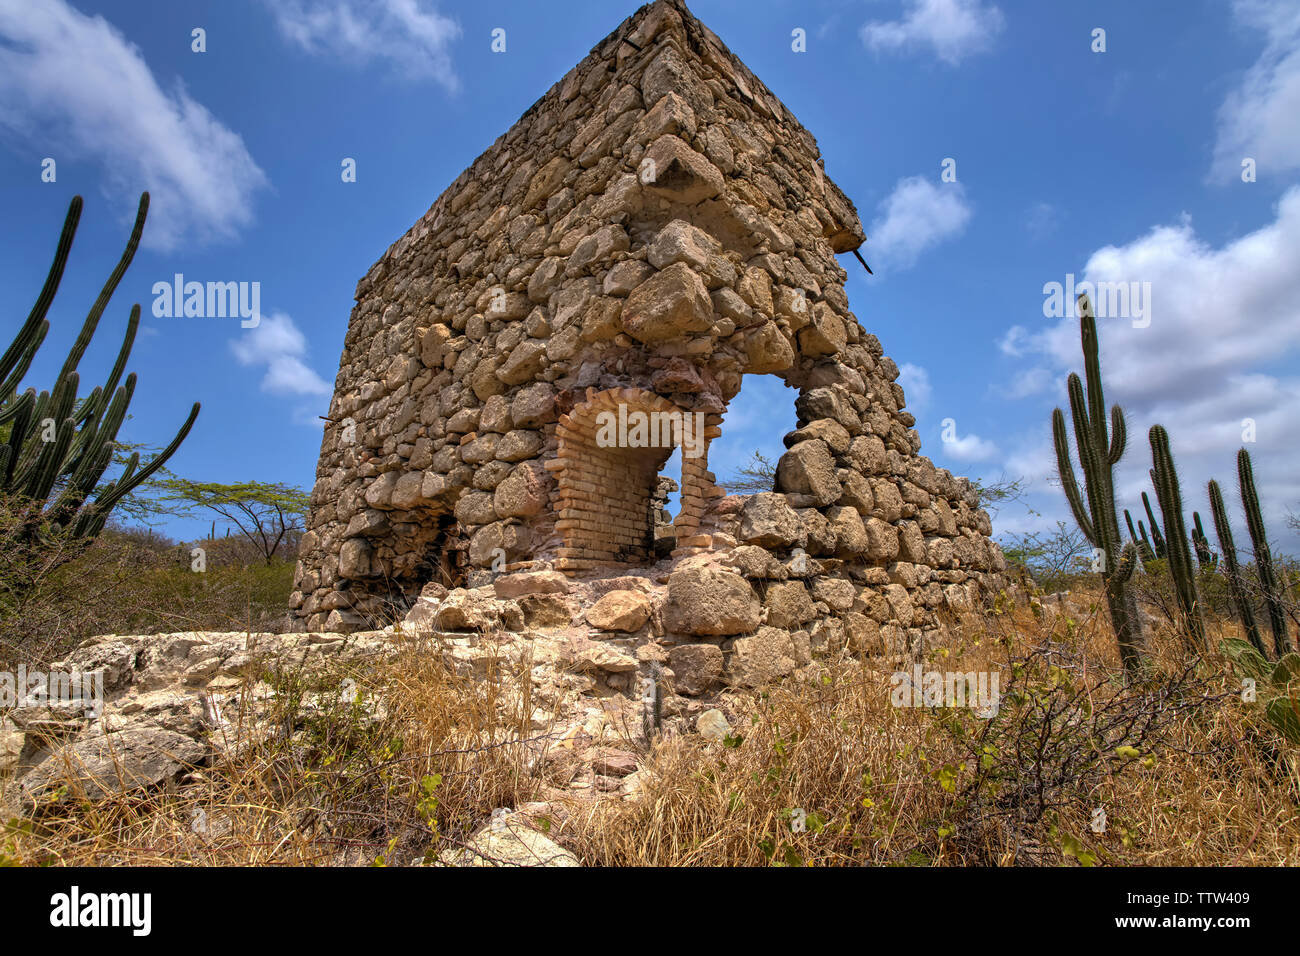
(603, 496)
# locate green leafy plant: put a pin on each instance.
(1277, 685)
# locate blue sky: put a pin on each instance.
(1122, 165)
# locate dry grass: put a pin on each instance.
(410, 767)
(1207, 782)
(881, 785)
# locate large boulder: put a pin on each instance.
(768, 521)
(710, 602)
(668, 305)
(620, 611)
(788, 604)
(138, 756)
(696, 667)
(766, 656)
(808, 469)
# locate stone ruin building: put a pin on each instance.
(653, 229)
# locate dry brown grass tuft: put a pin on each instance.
(1207, 784)
(411, 766)
(820, 770)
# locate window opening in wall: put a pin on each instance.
(744, 456)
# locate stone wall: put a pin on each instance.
(655, 227)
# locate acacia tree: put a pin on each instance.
(757, 474)
(264, 513)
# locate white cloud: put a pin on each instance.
(411, 36)
(915, 217)
(1261, 117)
(73, 86)
(953, 29)
(279, 345)
(1041, 219)
(1027, 382)
(969, 448)
(1222, 321)
(915, 382)
(1015, 342)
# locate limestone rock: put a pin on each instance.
(531, 582)
(710, 602)
(808, 469)
(697, 668)
(137, 756)
(788, 605)
(766, 656)
(769, 522)
(510, 840)
(669, 304)
(713, 725)
(676, 172)
(620, 611)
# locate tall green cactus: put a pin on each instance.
(1156, 536)
(1205, 558)
(1099, 450)
(1263, 556)
(1139, 538)
(1170, 498)
(1236, 586)
(58, 447)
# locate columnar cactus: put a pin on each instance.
(1205, 558)
(1170, 498)
(1263, 556)
(1099, 450)
(1156, 537)
(1139, 537)
(58, 447)
(1228, 548)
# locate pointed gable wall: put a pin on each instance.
(658, 225)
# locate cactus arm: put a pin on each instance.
(50, 454)
(1204, 556)
(24, 403)
(1092, 371)
(1066, 470)
(1127, 562)
(22, 417)
(36, 317)
(47, 466)
(106, 293)
(10, 387)
(121, 488)
(1139, 538)
(1118, 435)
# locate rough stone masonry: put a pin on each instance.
(653, 229)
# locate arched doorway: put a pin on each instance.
(611, 448)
